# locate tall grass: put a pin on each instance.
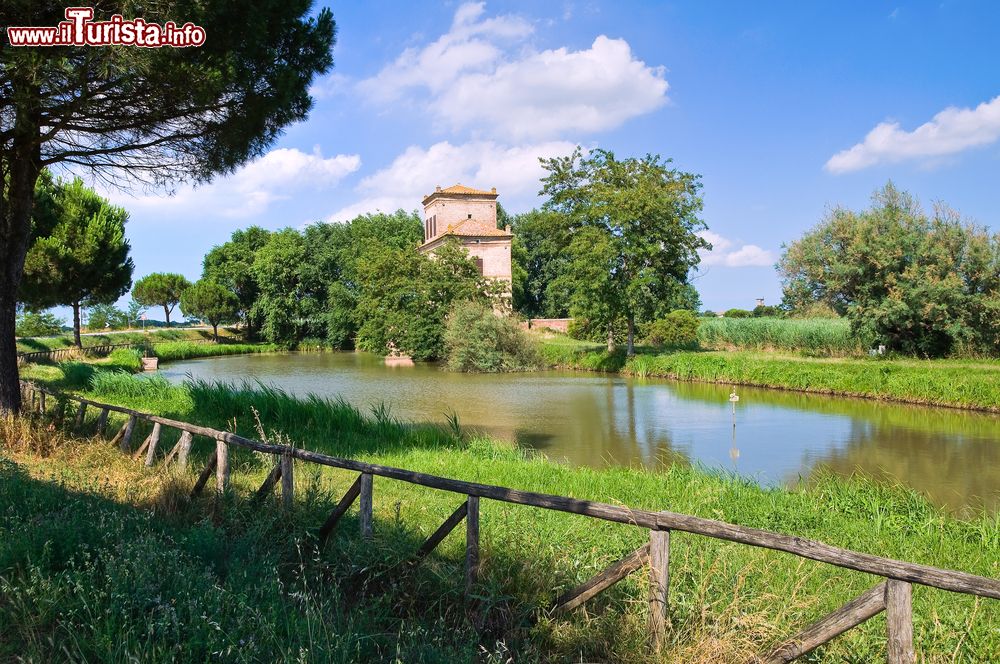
(185, 350)
(827, 336)
(122, 566)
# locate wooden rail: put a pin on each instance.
(102, 349)
(894, 595)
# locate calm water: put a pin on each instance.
(597, 420)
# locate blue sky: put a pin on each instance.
(784, 108)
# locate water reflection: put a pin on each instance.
(597, 420)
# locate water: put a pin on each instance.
(951, 456)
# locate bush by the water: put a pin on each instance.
(738, 313)
(478, 340)
(678, 328)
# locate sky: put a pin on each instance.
(785, 109)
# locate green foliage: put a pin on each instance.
(922, 284)
(633, 226)
(824, 336)
(185, 350)
(79, 255)
(38, 324)
(478, 340)
(404, 297)
(106, 316)
(768, 311)
(231, 265)
(538, 255)
(738, 313)
(210, 302)
(678, 328)
(161, 289)
(126, 359)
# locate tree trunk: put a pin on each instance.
(215, 332)
(166, 312)
(611, 337)
(19, 167)
(76, 325)
(631, 336)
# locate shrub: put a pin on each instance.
(476, 339)
(31, 324)
(768, 311)
(737, 313)
(678, 328)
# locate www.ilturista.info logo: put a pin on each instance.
(79, 29)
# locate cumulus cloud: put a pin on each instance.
(250, 191)
(483, 75)
(951, 131)
(726, 253)
(513, 170)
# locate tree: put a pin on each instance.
(231, 265)
(105, 316)
(161, 115)
(404, 297)
(538, 255)
(160, 289)
(632, 226)
(925, 284)
(82, 259)
(477, 340)
(38, 324)
(283, 307)
(211, 303)
(133, 313)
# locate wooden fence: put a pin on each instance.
(893, 595)
(103, 349)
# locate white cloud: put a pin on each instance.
(726, 253)
(482, 75)
(951, 131)
(250, 191)
(514, 171)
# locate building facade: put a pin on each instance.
(470, 216)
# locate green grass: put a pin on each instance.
(170, 351)
(825, 336)
(955, 383)
(31, 344)
(101, 559)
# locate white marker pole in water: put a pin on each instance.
(734, 452)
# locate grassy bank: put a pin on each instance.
(31, 344)
(956, 383)
(170, 351)
(101, 559)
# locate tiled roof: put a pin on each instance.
(462, 189)
(475, 228)
(459, 190)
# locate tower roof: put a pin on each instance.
(459, 189)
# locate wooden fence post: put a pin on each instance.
(81, 414)
(126, 444)
(221, 466)
(365, 517)
(287, 481)
(184, 449)
(41, 404)
(899, 619)
(659, 584)
(154, 440)
(102, 422)
(471, 543)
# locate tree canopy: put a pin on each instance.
(925, 284)
(79, 256)
(161, 115)
(632, 235)
(161, 289)
(211, 303)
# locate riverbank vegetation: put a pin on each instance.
(811, 336)
(165, 577)
(958, 383)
